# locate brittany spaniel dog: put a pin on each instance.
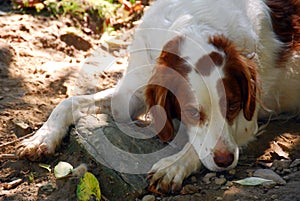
(217, 66)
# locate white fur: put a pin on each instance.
(247, 24)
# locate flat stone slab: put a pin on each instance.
(126, 152)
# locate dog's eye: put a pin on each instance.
(194, 113)
(234, 106)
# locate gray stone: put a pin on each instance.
(281, 164)
(189, 189)
(124, 153)
(148, 198)
(210, 175)
(220, 181)
(269, 174)
(269, 184)
(295, 163)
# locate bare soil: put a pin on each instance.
(37, 59)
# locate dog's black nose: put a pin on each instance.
(223, 159)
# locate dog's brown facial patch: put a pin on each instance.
(169, 88)
(285, 15)
(206, 64)
(239, 83)
(170, 57)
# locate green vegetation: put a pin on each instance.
(97, 15)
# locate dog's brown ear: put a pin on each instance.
(162, 116)
(248, 88)
(241, 70)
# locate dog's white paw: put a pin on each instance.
(42, 143)
(168, 173)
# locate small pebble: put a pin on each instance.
(250, 172)
(286, 178)
(229, 183)
(219, 198)
(148, 198)
(210, 175)
(189, 189)
(193, 179)
(269, 184)
(232, 172)
(206, 180)
(274, 197)
(224, 188)
(220, 181)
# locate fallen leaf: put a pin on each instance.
(62, 169)
(88, 188)
(252, 181)
(45, 166)
(278, 150)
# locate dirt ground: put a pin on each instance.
(37, 58)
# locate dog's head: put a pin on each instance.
(214, 96)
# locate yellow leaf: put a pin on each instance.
(88, 188)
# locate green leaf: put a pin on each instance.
(252, 181)
(62, 169)
(45, 166)
(88, 188)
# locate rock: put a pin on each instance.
(21, 128)
(193, 179)
(189, 189)
(124, 153)
(281, 164)
(148, 198)
(224, 187)
(46, 189)
(206, 179)
(71, 39)
(286, 171)
(269, 174)
(232, 172)
(250, 172)
(229, 183)
(295, 163)
(220, 181)
(286, 178)
(269, 184)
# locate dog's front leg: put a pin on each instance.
(168, 173)
(68, 112)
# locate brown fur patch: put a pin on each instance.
(240, 80)
(169, 88)
(205, 65)
(285, 16)
(170, 57)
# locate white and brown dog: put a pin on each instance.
(211, 64)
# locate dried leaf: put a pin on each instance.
(252, 181)
(62, 169)
(45, 166)
(278, 150)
